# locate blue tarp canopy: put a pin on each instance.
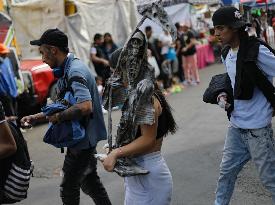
(251, 3)
(230, 2)
(255, 3)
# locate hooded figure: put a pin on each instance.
(133, 85)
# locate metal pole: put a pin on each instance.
(110, 138)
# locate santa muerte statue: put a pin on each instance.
(132, 84)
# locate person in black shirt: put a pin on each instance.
(190, 67)
(99, 59)
(179, 43)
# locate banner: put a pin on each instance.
(257, 3)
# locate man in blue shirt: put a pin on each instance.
(80, 164)
(250, 136)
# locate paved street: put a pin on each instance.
(193, 155)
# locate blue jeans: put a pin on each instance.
(240, 146)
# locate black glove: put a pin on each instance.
(2, 112)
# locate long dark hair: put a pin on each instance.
(171, 123)
(111, 41)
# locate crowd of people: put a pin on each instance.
(80, 167)
(175, 63)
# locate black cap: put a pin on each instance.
(53, 37)
(229, 16)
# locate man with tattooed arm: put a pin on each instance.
(79, 169)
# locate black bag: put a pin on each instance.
(18, 171)
(219, 83)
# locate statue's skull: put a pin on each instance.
(156, 13)
(135, 56)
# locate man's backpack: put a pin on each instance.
(18, 170)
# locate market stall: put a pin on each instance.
(205, 55)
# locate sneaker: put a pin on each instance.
(104, 111)
(185, 83)
(22, 130)
(194, 83)
(115, 108)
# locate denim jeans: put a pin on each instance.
(80, 172)
(241, 145)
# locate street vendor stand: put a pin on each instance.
(205, 55)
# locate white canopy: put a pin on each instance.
(178, 13)
(32, 17)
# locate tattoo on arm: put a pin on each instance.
(39, 117)
(72, 113)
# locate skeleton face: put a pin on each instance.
(156, 13)
(135, 51)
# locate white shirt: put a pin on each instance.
(166, 43)
(93, 51)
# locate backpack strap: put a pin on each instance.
(225, 51)
(262, 82)
(257, 77)
(68, 87)
(265, 86)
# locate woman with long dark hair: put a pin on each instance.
(108, 45)
(155, 187)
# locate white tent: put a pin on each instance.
(32, 17)
(178, 13)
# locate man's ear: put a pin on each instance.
(54, 50)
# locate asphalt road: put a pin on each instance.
(193, 155)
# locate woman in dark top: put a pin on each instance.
(155, 187)
(190, 66)
(108, 45)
